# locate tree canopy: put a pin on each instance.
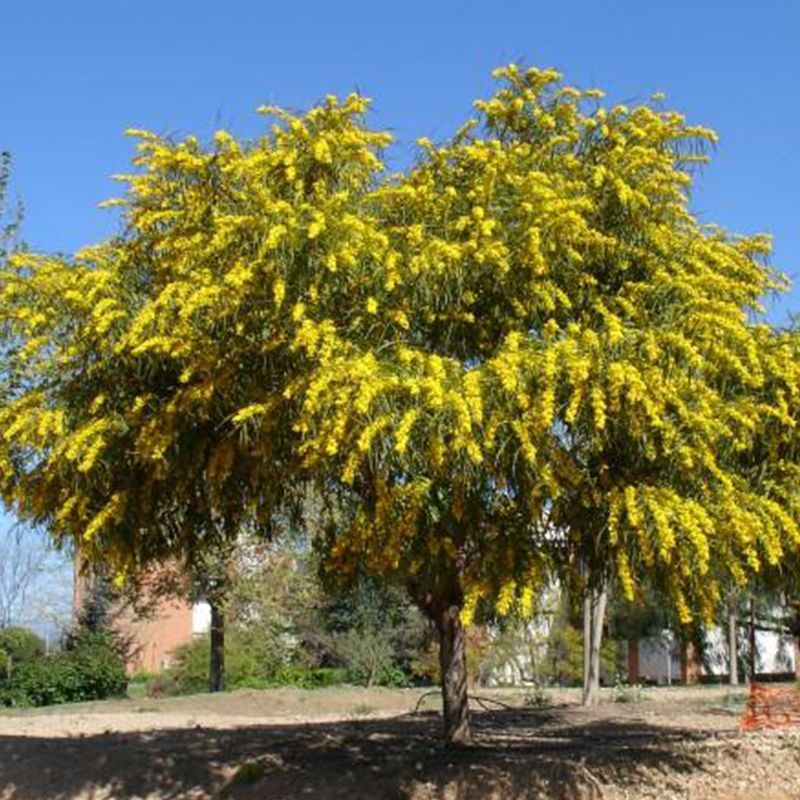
(522, 356)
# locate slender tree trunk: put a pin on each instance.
(216, 665)
(733, 648)
(592, 644)
(752, 640)
(690, 663)
(633, 660)
(453, 666)
(797, 656)
(587, 638)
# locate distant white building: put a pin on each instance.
(659, 658)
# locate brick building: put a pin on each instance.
(168, 624)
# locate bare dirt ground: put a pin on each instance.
(356, 743)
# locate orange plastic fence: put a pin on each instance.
(769, 707)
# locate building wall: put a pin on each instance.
(156, 638)
(659, 659)
(201, 618)
(169, 624)
(661, 662)
(775, 651)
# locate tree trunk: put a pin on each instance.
(593, 639)
(216, 665)
(797, 656)
(690, 663)
(587, 638)
(633, 661)
(453, 667)
(733, 648)
(752, 640)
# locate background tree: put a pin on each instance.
(376, 631)
(10, 215)
(21, 565)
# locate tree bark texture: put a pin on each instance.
(453, 667)
(216, 665)
(753, 652)
(733, 647)
(597, 598)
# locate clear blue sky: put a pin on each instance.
(75, 74)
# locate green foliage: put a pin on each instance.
(103, 605)
(274, 603)
(248, 665)
(20, 645)
(565, 656)
(249, 772)
(376, 632)
(648, 615)
(368, 654)
(627, 693)
(546, 648)
(189, 668)
(316, 678)
(283, 627)
(564, 662)
(91, 670)
(537, 698)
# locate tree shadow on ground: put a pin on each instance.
(516, 754)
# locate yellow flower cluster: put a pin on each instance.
(523, 340)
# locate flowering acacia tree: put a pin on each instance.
(563, 363)
(132, 368)
(523, 356)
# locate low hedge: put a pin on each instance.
(316, 678)
(249, 664)
(89, 671)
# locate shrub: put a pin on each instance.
(627, 693)
(189, 668)
(248, 665)
(245, 666)
(92, 670)
(368, 655)
(19, 645)
(563, 665)
(305, 678)
(537, 698)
